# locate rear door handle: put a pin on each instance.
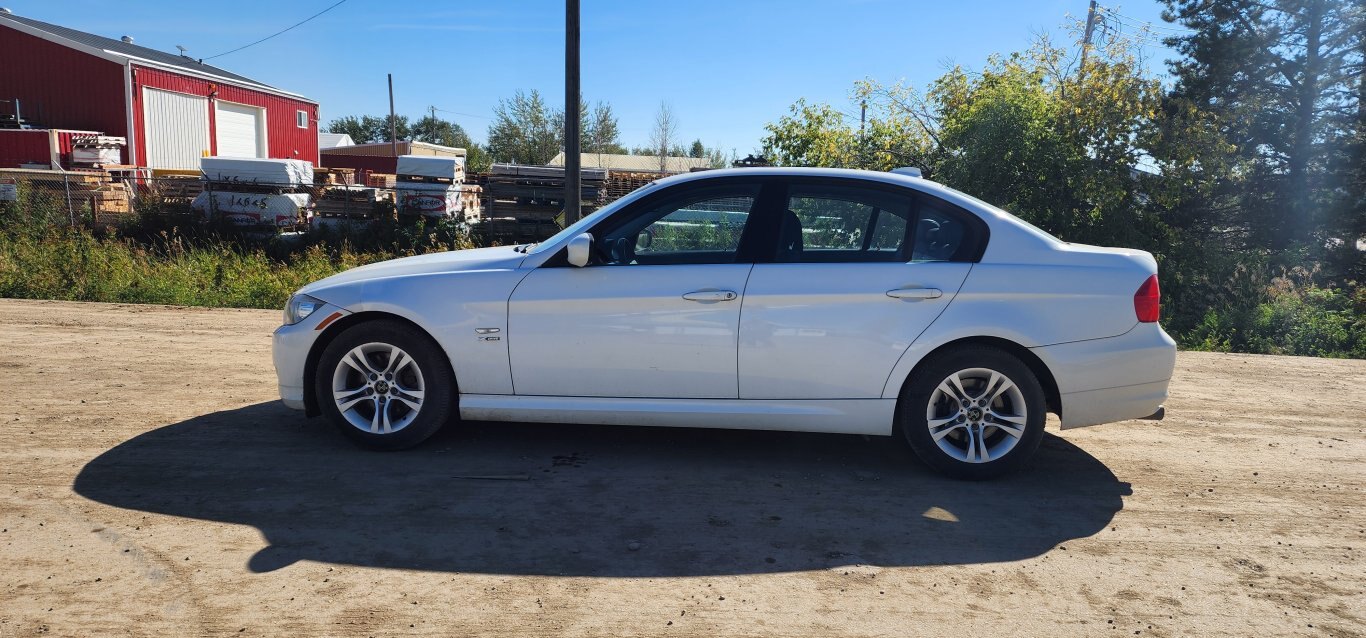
(710, 295)
(915, 293)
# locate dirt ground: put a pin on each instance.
(150, 484)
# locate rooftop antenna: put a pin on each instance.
(182, 51)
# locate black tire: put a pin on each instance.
(437, 404)
(913, 421)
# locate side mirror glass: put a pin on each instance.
(645, 239)
(579, 249)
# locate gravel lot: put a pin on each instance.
(150, 484)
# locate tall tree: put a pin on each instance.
(601, 131)
(1282, 80)
(369, 128)
(663, 135)
(524, 130)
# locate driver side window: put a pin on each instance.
(698, 226)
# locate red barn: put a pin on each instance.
(172, 109)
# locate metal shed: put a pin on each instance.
(173, 109)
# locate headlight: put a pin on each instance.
(299, 307)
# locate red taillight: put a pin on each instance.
(1148, 301)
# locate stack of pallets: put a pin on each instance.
(523, 203)
(621, 183)
(381, 180)
(352, 203)
(334, 176)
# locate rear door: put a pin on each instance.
(860, 269)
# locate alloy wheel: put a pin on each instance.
(976, 415)
(378, 388)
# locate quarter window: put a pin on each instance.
(942, 234)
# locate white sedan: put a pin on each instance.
(816, 300)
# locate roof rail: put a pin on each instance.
(907, 170)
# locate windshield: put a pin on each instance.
(577, 227)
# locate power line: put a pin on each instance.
(1132, 22)
(482, 117)
(287, 30)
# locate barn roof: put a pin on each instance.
(112, 48)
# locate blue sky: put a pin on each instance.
(725, 67)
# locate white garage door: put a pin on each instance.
(176, 127)
(241, 130)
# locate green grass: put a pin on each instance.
(77, 265)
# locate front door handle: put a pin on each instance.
(710, 295)
(915, 293)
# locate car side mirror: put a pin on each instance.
(579, 249)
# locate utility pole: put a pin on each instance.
(862, 140)
(1090, 30)
(393, 122)
(572, 159)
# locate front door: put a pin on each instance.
(655, 313)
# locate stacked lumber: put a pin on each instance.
(254, 210)
(112, 202)
(265, 172)
(352, 202)
(471, 202)
(248, 192)
(177, 190)
(84, 193)
(381, 180)
(523, 203)
(621, 183)
(446, 170)
(510, 182)
(430, 186)
(334, 176)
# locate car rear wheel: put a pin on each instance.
(385, 385)
(973, 413)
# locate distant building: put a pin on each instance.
(172, 109)
(334, 140)
(379, 157)
(637, 163)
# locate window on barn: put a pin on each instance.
(301, 119)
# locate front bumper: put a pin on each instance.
(1112, 379)
(290, 346)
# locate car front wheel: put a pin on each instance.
(973, 413)
(385, 385)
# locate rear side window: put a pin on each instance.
(825, 223)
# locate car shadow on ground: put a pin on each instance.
(596, 501)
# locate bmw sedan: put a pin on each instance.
(814, 300)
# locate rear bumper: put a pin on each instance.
(1093, 407)
(1112, 379)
